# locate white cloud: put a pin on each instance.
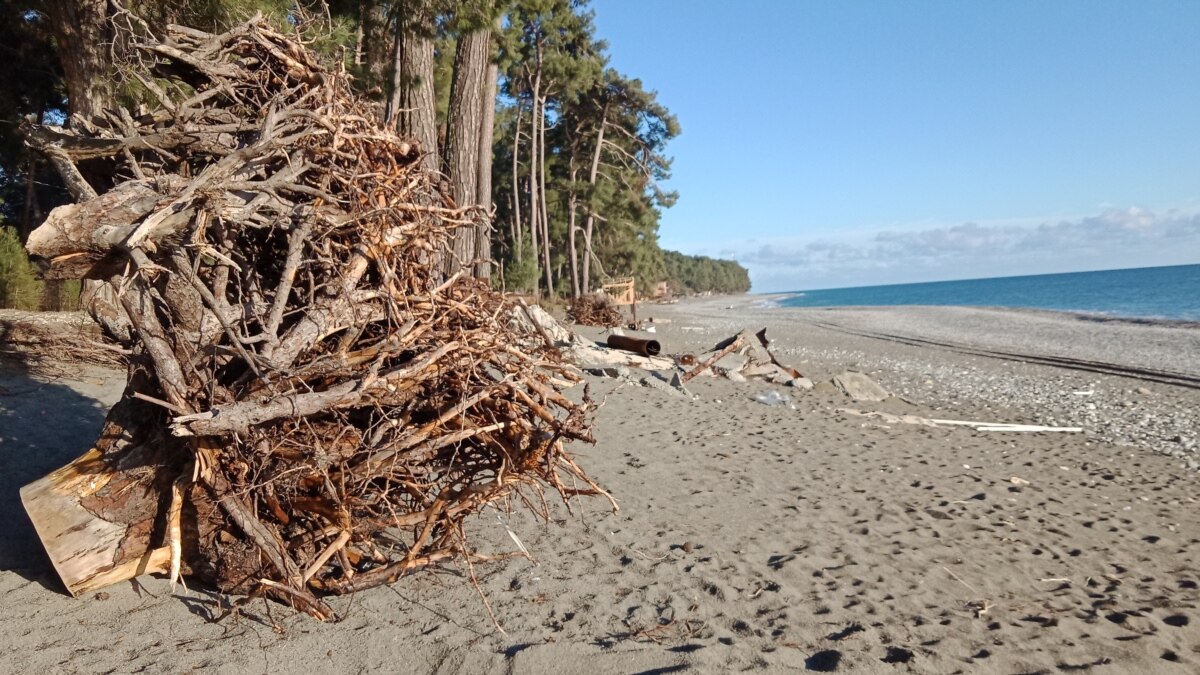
(1114, 238)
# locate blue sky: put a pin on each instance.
(854, 143)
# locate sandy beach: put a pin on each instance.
(798, 537)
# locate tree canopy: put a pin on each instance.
(569, 155)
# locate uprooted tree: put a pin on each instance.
(313, 407)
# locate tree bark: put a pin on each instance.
(591, 218)
(81, 32)
(376, 41)
(32, 213)
(545, 212)
(572, 205)
(535, 214)
(464, 126)
(412, 107)
(483, 243)
(96, 516)
(516, 191)
(83, 35)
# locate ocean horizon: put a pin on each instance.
(1171, 292)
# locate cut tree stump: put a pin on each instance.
(88, 551)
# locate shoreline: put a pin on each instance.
(1097, 316)
(921, 320)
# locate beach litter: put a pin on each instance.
(314, 406)
(977, 426)
(1005, 426)
(635, 345)
(772, 397)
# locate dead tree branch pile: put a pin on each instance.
(594, 310)
(315, 408)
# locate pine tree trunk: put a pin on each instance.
(412, 107)
(377, 42)
(359, 44)
(83, 37)
(518, 235)
(535, 213)
(464, 125)
(545, 212)
(82, 34)
(591, 218)
(587, 260)
(483, 244)
(572, 204)
(32, 213)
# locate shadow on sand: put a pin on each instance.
(44, 424)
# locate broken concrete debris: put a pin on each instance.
(739, 358)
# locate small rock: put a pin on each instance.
(688, 547)
(801, 383)
(610, 371)
(824, 388)
(780, 376)
(735, 376)
(677, 384)
(1143, 391)
(655, 383)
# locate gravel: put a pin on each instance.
(1115, 409)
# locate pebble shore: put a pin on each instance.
(1123, 410)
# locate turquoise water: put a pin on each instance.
(1147, 292)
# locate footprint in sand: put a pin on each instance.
(1177, 620)
(823, 661)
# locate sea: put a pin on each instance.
(1143, 293)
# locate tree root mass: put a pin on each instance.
(315, 408)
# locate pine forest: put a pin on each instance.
(512, 101)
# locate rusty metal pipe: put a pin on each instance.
(643, 347)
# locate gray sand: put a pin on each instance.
(750, 536)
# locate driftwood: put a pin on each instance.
(723, 349)
(766, 345)
(312, 408)
(48, 341)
